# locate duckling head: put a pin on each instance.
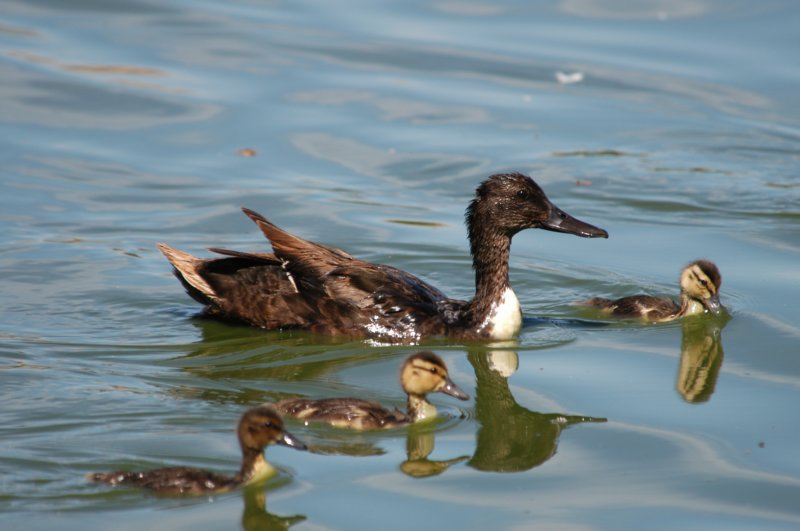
(425, 372)
(261, 426)
(700, 282)
(511, 202)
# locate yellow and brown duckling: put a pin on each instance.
(700, 282)
(305, 285)
(422, 373)
(258, 428)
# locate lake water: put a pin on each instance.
(122, 124)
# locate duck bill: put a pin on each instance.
(712, 304)
(453, 390)
(291, 441)
(560, 221)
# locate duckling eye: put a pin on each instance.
(433, 370)
(267, 424)
(523, 194)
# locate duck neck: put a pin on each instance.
(419, 408)
(690, 306)
(254, 467)
(490, 253)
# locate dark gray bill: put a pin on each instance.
(560, 221)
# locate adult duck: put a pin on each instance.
(422, 373)
(700, 282)
(305, 285)
(258, 427)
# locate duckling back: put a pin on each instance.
(174, 480)
(644, 307)
(350, 413)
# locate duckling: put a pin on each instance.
(305, 285)
(258, 427)
(700, 282)
(422, 373)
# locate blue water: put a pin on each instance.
(122, 124)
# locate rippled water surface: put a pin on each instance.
(675, 125)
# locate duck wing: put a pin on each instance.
(352, 295)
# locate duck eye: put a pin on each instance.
(268, 424)
(523, 194)
(433, 370)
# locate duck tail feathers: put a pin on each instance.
(282, 241)
(188, 270)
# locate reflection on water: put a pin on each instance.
(255, 516)
(323, 439)
(419, 445)
(511, 438)
(701, 358)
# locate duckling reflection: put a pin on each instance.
(700, 282)
(258, 427)
(422, 373)
(419, 445)
(701, 359)
(511, 438)
(256, 518)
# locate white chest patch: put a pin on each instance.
(505, 319)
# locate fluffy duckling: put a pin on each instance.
(258, 428)
(422, 373)
(700, 283)
(309, 286)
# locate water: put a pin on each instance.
(121, 124)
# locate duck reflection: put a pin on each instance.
(701, 359)
(256, 518)
(236, 353)
(511, 438)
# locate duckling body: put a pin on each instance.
(258, 428)
(422, 373)
(304, 285)
(700, 282)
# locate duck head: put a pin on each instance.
(700, 282)
(425, 372)
(511, 202)
(261, 426)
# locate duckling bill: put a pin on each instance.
(308, 286)
(700, 283)
(258, 428)
(422, 373)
